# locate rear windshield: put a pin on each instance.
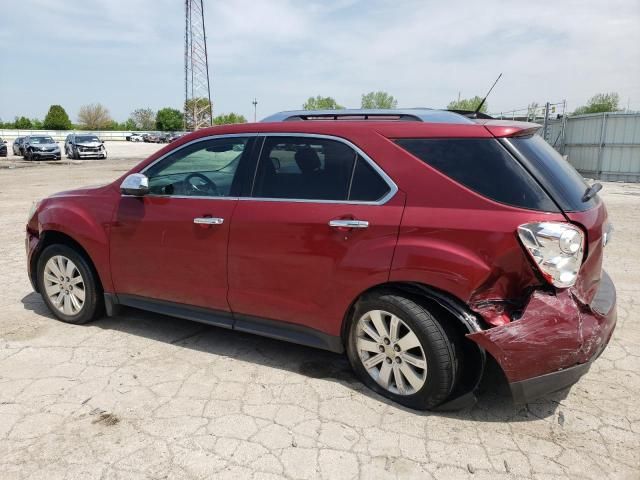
(485, 166)
(557, 175)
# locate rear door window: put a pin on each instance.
(484, 166)
(304, 168)
(309, 168)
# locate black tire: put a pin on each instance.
(93, 306)
(440, 348)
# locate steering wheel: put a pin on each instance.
(203, 185)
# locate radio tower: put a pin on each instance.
(198, 111)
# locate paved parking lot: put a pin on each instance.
(146, 396)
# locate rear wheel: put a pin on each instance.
(398, 348)
(69, 285)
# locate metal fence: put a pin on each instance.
(605, 146)
(59, 135)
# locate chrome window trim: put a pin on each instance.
(393, 188)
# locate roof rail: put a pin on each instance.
(381, 115)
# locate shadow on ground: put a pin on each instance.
(494, 399)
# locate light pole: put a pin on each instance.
(255, 109)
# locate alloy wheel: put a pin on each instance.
(64, 285)
(391, 352)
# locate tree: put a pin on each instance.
(57, 119)
(144, 118)
(378, 100)
(321, 103)
(36, 124)
(602, 102)
(228, 118)
(168, 119)
(197, 113)
(94, 116)
(468, 104)
(22, 123)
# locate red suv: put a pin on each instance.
(421, 242)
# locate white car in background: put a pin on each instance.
(136, 137)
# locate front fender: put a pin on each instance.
(87, 223)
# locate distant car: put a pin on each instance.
(84, 146)
(174, 136)
(41, 147)
(17, 146)
(135, 137)
(3, 148)
(152, 138)
(164, 137)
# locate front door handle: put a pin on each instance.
(208, 221)
(349, 224)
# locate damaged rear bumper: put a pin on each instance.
(554, 342)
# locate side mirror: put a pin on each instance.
(135, 184)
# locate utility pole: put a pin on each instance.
(197, 91)
(255, 109)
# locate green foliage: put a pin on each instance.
(468, 104)
(197, 113)
(601, 102)
(378, 100)
(143, 118)
(22, 123)
(169, 119)
(37, 124)
(57, 119)
(321, 103)
(94, 116)
(228, 118)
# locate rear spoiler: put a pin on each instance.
(509, 128)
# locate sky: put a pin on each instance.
(129, 54)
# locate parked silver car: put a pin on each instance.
(84, 146)
(40, 147)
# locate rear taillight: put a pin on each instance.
(556, 248)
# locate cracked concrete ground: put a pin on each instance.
(146, 396)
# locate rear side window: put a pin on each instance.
(562, 180)
(484, 166)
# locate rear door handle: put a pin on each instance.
(349, 224)
(208, 221)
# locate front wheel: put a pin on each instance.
(69, 285)
(398, 349)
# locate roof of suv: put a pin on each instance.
(404, 114)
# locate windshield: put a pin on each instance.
(87, 138)
(565, 184)
(41, 140)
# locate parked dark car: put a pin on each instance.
(420, 242)
(174, 136)
(3, 148)
(80, 145)
(41, 147)
(18, 146)
(151, 137)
